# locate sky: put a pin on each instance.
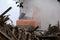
(14, 12)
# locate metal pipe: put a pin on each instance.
(6, 11)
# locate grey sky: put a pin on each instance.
(14, 12)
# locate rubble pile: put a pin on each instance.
(10, 32)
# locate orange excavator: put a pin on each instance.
(24, 20)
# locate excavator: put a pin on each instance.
(25, 20)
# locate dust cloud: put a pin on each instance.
(45, 11)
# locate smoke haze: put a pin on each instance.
(46, 11)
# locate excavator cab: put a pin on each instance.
(26, 21)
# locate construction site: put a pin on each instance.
(33, 22)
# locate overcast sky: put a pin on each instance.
(14, 12)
